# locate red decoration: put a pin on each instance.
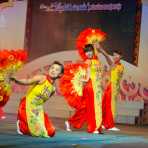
(10, 62)
(8, 57)
(88, 36)
(71, 96)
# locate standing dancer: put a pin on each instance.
(112, 79)
(90, 106)
(31, 117)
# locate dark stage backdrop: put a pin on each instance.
(53, 25)
(3, 1)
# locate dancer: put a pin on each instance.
(31, 117)
(111, 79)
(90, 106)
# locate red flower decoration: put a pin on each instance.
(10, 61)
(9, 57)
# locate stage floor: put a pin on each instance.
(128, 137)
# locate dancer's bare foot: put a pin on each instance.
(67, 126)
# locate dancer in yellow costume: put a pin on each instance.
(31, 117)
(112, 90)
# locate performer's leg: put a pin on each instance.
(49, 126)
(88, 95)
(79, 118)
(22, 125)
(108, 120)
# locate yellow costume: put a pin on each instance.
(116, 75)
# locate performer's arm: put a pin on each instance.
(107, 56)
(35, 80)
(121, 71)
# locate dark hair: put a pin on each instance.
(61, 65)
(88, 47)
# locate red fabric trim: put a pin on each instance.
(49, 126)
(22, 117)
(88, 95)
(107, 115)
(49, 78)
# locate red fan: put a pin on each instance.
(88, 36)
(10, 62)
(71, 86)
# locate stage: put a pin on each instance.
(129, 137)
(35, 33)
